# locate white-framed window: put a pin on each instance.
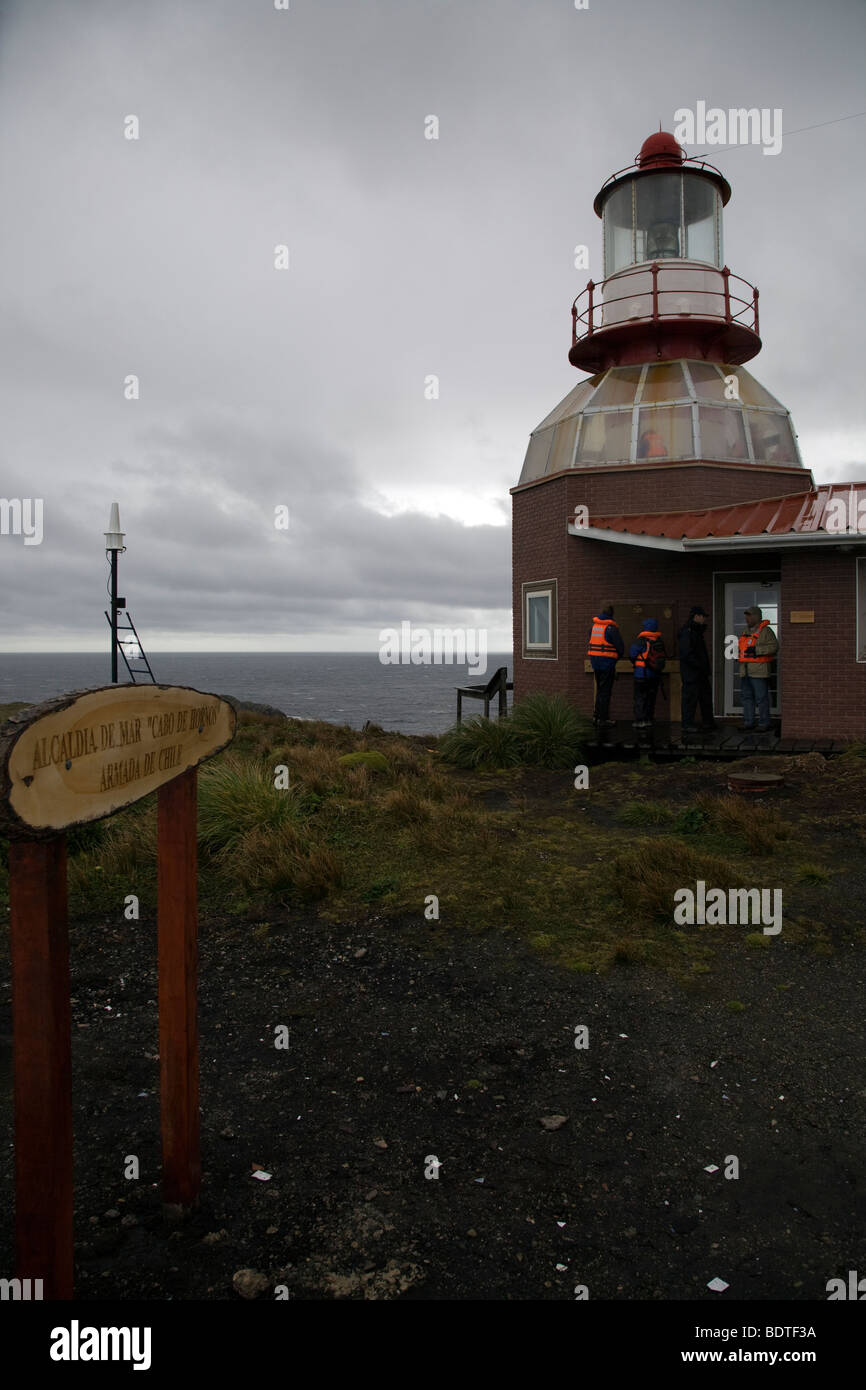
(539, 618)
(861, 608)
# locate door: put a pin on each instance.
(766, 595)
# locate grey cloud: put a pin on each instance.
(408, 257)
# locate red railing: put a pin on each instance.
(746, 314)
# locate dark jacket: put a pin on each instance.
(694, 657)
(607, 663)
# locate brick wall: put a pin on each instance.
(824, 687)
(589, 571)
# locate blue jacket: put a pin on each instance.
(637, 648)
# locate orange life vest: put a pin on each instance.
(748, 641)
(598, 643)
(640, 662)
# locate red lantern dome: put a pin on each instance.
(660, 148)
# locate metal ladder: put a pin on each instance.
(136, 650)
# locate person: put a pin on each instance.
(605, 648)
(651, 446)
(758, 646)
(695, 671)
(647, 652)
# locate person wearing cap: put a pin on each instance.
(605, 648)
(647, 653)
(695, 671)
(758, 646)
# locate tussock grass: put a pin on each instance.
(317, 768)
(480, 743)
(760, 827)
(812, 873)
(237, 795)
(647, 875)
(280, 861)
(543, 731)
(551, 732)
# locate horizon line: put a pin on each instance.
(216, 651)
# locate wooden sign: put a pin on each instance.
(802, 615)
(71, 760)
(85, 755)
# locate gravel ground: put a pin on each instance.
(408, 1041)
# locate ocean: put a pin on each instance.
(341, 687)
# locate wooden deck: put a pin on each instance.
(727, 741)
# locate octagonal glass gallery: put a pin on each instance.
(663, 412)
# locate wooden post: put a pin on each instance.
(178, 961)
(39, 946)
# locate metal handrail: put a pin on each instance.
(586, 316)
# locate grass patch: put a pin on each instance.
(499, 846)
(481, 743)
(760, 828)
(647, 875)
(551, 732)
(280, 863)
(236, 796)
(644, 813)
(811, 873)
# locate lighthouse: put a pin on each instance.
(669, 476)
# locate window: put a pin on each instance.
(665, 432)
(722, 433)
(562, 450)
(664, 382)
(618, 387)
(539, 618)
(658, 217)
(536, 455)
(618, 230)
(605, 437)
(702, 211)
(708, 381)
(772, 440)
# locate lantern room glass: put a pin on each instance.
(662, 216)
(659, 412)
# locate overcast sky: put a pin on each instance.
(407, 257)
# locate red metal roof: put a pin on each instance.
(798, 513)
